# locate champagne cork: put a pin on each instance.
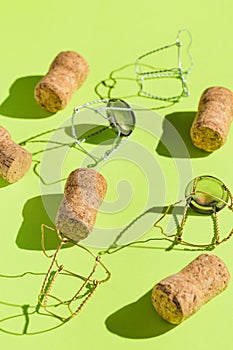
(66, 74)
(213, 119)
(179, 296)
(84, 192)
(14, 159)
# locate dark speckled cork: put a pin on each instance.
(84, 192)
(14, 159)
(179, 296)
(66, 74)
(213, 119)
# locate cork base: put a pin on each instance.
(66, 74)
(171, 305)
(48, 98)
(14, 162)
(19, 167)
(71, 224)
(212, 122)
(206, 139)
(179, 296)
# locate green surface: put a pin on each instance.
(149, 171)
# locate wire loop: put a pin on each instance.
(120, 118)
(178, 72)
(87, 288)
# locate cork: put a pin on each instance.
(179, 296)
(66, 74)
(213, 119)
(84, 192)
(14, 159)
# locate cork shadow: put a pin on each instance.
(3, 183)
(34, 215)
(169, 146)
(138, 320)
(21, 103)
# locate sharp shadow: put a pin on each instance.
(22, 318)
(182, 122)
(122, 83)
(126, 73)
(174, 211)
(138, 320)
(177, 210)
(93, 134)
(19, 317)
(24, 315)
(21, 103)
(3, 183)
(35, 214)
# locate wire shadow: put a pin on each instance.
(122, 83)
(116, 246)
(21, 103)
(35, 214)
(107, 88)
(138, 320)
(18, 317)
(182, 122)
(93, 134)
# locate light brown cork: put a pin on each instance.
(14, 159)
(84, 192)
(213, 119)
(179, 296)
(66, 74)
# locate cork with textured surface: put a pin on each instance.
(213, 119)
(180, 295)
(14, 159)
(84, 192)
(66, 74)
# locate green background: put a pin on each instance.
(109, 34)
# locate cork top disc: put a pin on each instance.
(209, 194)
(121, 116)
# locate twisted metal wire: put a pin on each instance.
(51, 277)
(177, 73)
(119, 139)
(178, 235)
